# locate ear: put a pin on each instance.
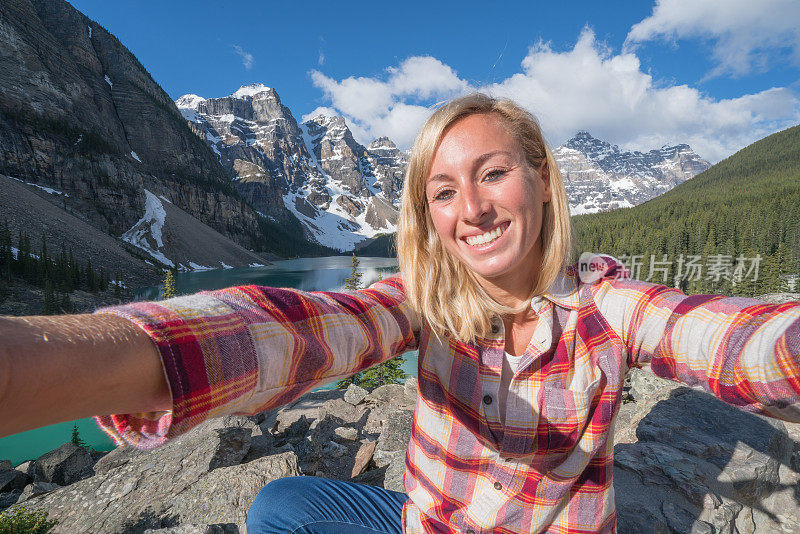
(544, 175)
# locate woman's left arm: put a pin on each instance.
(744, 351)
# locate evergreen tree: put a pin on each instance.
(76, 437)
(354, 281)
(49, 299)
(30, 265)
(6, 257)
(44, 262)
(74, 272)
(21, 255)
(91, 279)
(117, 288)
(168, 287)
(785, 265)
(388, 372)
(60, 271)
(65, 303)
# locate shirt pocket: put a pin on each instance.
(564, 416)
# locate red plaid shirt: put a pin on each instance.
(549, 467)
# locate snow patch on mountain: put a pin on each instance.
(190, 101)
(250, 90)
(187, 105)
(146, 233)
(15, 253)
(48, 190)
(196, 267)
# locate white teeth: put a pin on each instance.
(482, 239)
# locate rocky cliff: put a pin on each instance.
(341, 191)
(599, 176)
(80, 115)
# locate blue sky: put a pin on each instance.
(715, 74)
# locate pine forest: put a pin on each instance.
(740, 217)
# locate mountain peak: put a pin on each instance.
(592, 147)
(382, 142)
(250, 90)
(189, 101)
(328, 120)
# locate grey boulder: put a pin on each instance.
(64, 465)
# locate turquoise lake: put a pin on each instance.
(308, 274)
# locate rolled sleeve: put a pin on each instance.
(744, 351)
(247, 349)
(208, 359)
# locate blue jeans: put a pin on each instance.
(313, 505)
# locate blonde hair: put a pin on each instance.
(439, 286)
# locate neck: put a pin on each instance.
(509, 295)
(514, 290)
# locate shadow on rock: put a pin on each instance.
(700, 465)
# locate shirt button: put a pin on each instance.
(498, 486)
(487, 399)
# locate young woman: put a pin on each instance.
(521, 356)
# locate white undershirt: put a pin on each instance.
(510, 366)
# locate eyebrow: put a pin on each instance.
(480, 160)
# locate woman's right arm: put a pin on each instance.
(62, 368)
(247, 349)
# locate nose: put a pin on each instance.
(474, 205)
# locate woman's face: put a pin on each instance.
(486, 201)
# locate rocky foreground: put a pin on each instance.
(684, 462)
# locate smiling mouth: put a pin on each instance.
(486, 238)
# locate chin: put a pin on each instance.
(490, 271)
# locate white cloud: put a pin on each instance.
(591, 88)
(247, 58)
(586, 88)
(389, 105)
(747, 35)
(424, 77)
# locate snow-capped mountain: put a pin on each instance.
(599, 176)
(341, 191)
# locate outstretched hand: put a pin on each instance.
(61, 368)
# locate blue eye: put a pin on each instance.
(494, 174)
(444, 194)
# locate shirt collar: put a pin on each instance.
(564, 289)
